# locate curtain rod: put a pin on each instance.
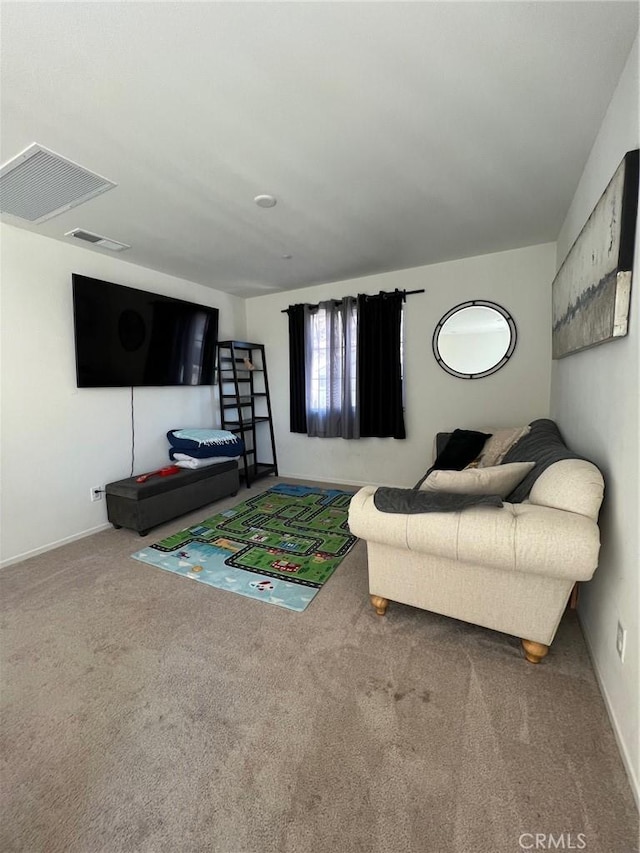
(404, 293)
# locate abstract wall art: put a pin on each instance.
(592, 290)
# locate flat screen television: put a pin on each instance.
(126, 337)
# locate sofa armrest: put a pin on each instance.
(574, 485)
(517, 537)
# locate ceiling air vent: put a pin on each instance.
(38, 184)
(97, 240)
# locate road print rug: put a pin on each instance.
(280, 546)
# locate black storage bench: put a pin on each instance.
(141, 506)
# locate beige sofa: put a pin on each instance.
(510, 569)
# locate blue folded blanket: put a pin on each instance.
(204, 443)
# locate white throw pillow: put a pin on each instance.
(501, 441)
(498, 480)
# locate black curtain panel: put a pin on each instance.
(379, 365)
(297, 383)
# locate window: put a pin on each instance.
(345, 367)
(331, 334)
(327, 349)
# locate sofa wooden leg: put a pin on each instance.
(380, 604)
(573, 599)
(534, 652)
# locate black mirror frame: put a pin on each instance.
(505, 358)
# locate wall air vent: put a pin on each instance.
(97, 240)
(38, 184)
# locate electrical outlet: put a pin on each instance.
(621, 641)
(95, 493)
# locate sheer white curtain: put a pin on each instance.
(331, 333)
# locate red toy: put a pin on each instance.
(161, 472)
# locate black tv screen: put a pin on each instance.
(128, 337)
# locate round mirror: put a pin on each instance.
(474, 339)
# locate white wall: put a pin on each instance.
(58, 440)
(594, 399)
(518, 393)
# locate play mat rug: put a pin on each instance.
(280, 546)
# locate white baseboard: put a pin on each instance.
(624, 754)
(50, 547)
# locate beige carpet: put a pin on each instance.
(145, 712)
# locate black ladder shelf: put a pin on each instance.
(245, 405)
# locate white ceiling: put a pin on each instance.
(393, 134)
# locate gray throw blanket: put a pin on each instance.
(409, 501)
(543, 445)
